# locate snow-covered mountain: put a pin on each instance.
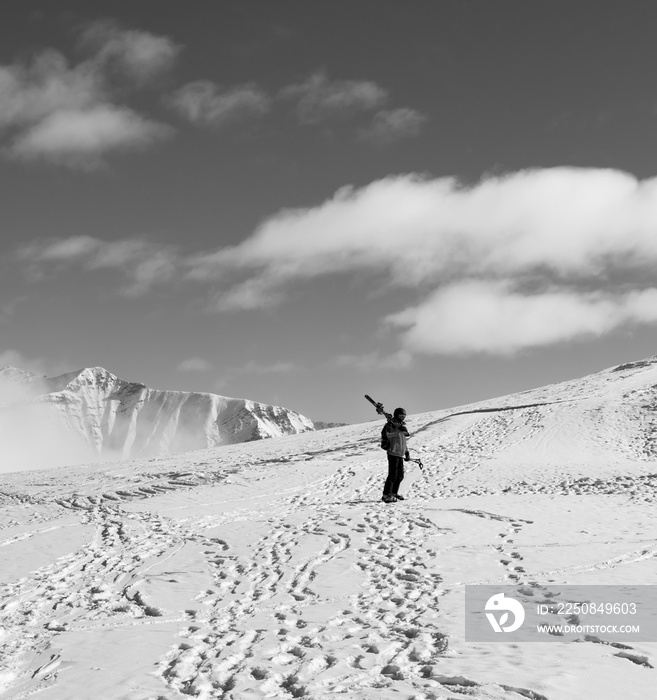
(114, 417)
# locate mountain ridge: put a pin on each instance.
(118, 418)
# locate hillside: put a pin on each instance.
(597, 425)
(272, 568)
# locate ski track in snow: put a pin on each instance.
(334, 591)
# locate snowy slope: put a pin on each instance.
(118, 418)
(598, 423)
(271, 569)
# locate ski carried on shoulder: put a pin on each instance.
(379, 408)
(381, 411)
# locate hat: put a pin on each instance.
(398, 411)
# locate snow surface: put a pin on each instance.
(272, 568)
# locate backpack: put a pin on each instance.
(385, 442)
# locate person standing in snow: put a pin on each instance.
(394, 436)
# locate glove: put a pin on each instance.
(407, 456)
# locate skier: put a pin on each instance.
(395, 433)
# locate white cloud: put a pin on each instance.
(52, 110)
(92, 253)
(23, 416)
(62, 250)
(489, 317)
(203, 102)
(256, 293)
(392, 125)
(29, 93)
(511, 262)
(82, 137)
(563, 221)
(119, 254)
(156, 267)
(319, 100)
(194, 364)
(560, 229)
(139, 54)
(143, 264)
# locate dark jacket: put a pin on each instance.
(396, 435)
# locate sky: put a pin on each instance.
(434, 202)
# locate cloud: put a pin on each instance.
(519, 261)
(392, 125)
(565, 230)
(157, 267)
(319, 100)
(29, 93)
(256, 293)
(194, 364)
(143, 264)
(140, 55)
(56, 445)
(92, 253)
(23, 417)
(316, 101)
(82, 137)
(67, 114)
(60, 250)
(202, 102)
(488, 317)
(563, 221)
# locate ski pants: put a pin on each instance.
(395, 475)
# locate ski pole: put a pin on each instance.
(418, 461)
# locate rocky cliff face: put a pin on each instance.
(116, 418)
